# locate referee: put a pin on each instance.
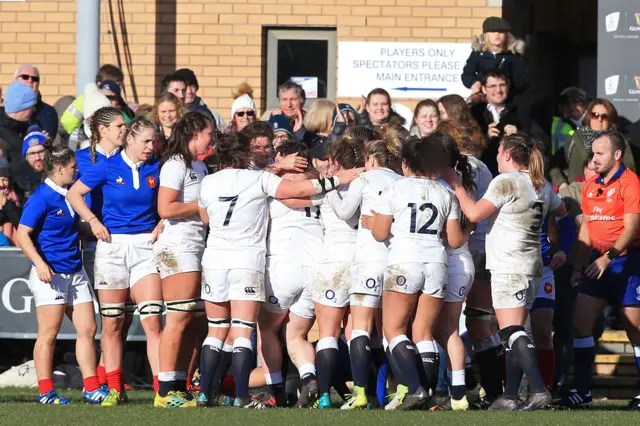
(611, 274)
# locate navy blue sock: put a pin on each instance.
(241, 362)
(360, 356)
(584, 352)
(514, 375)
(404, 353)
(326, 360)
(209, 361)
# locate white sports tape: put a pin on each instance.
(112, 310)
(150, 308)
(235, 322)
(188, 305)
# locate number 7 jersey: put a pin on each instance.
(513, 238)
(420, 208)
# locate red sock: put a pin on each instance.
(156, 384)
(45, 385)
(189, 382)
(547, 364)
(91, 383)
(228, 385)
(114, 380)
(102, 375)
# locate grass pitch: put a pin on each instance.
(17, 408)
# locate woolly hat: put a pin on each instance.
(494, 24)
(280, 123)
(34, 137)
(244, 101)
(189, 76)
(19, 97)
(93, 101)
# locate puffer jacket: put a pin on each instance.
(13, 132)
(395, 120)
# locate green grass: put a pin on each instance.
(17, 408)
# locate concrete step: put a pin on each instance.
(615, 359)
(614, 336)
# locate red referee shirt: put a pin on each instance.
(606, 204)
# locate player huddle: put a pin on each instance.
(386, 247)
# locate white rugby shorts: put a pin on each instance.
(288, 287)
(513, 290)
(460, 276)
(413, 277)
(65, 289)
(123, 262)
(331, 284)
(171, 261)
(223, 285)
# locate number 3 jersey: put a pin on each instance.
(513, 238)
(420, 208)
(236, 202)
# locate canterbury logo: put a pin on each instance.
(250, 290)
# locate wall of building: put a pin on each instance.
(221, 40)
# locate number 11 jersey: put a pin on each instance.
(236, 202)
(513, 238)
(420, 208)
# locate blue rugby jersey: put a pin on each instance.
(83, 158)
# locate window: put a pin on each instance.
(301, 53)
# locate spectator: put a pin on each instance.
(573, 106)
(375, 112)
(453, 107)
(33, 150)
(601, 116)
(112, 91)
(425, 118)
(243, 109)
(10, 209)
(320, 129)
(166, 112)
(195, 103)
(496, 48)
(73, 117)
(292, 98)
(176, 84)
(349, 114)
(19, 107)
(45, 116)
(281, 131)
(497, 116)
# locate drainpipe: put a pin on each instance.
(87, 43)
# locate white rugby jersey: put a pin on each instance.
(186, 234)
(295, 234)
(420, 208)
(482, 177)
(365, 192)
(465, 247)
(236, 202)
(339, 235)
(513, 239)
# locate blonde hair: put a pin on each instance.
(181, 110)
(386, 152)
(319, 119)
(242, 89)
(511, 43)
(524, 151)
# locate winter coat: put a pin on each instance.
(46, 118)
(511, 114)
(199, 105)
(13, 133)
(395, 120)
(567, 164)
(510, 62)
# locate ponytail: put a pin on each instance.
(55, 155)
(450, 135)
(525, 152)
(102, 117)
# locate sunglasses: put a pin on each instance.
(249, 113)
(33, 78)
(597, 115)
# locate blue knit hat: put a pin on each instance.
(34, 137)
(280, 123)
(19, 97)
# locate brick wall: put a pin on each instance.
(221, 40)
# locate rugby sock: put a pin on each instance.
(223, 368)
(490, 357)
(209, 363)
(114, 380)
(276, 388)
(430, 362)
(458, 387)
(469, 375)
(45, 386)
(167, 383)
(403, 350)
(156, 384)
(189, 382)
(181, 381)
(547, 362)
(241, 365)
(514, 375)
(102, 374)
(326, 360)
(91, 383)
(390, 359)
(360, 357)
(307, 373)
(525, 354)
(584, 352)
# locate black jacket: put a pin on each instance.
(13, 132)
(510, 62)
(46, 118)
(511, 114)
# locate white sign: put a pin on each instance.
(405, 70)
(309, 85)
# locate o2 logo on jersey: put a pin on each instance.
(330, 295)
(273, 300)
(151, 181)
(462, 291)
(370, 283)
(401, 280)
(520, 295)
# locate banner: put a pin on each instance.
(619, 55)
(405, 70)
(18, 312)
